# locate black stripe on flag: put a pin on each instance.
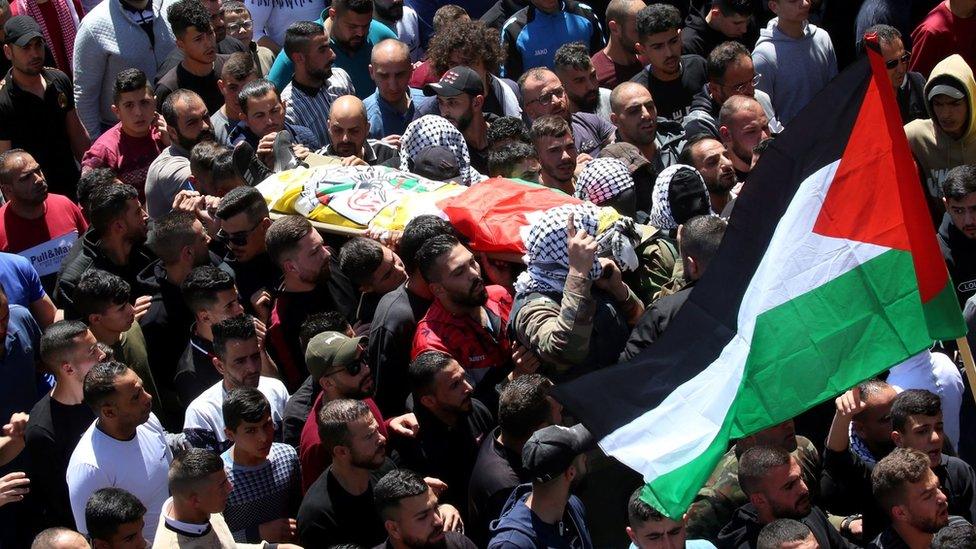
(610, 398)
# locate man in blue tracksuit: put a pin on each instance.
(532, 36)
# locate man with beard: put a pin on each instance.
(34, 223)
(187, 123)
(244, 220)
(708, 155)
(349, 137)
(558, 156)
(394, 103)
(115, 242)
(634, 113)
(404, 22)
(618, 61)
(410, 515)
(37, 109)
(578, 76)
(238, 358)
(544, 95)
(451, 423)
(743, 124)
(201, 66)
(772, 479)
(461, 99)
(264, 114)
(957, 233)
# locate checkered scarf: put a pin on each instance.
(547, 245)
(602, 180)
(661, 216)
(432, 130)
(68, 14)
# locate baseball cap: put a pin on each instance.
(945, 89)
(455, 81)
(551, 450)
(21, 29)
(626, 152)
(329, 351)
(437, 163)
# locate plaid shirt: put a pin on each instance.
(262, 493)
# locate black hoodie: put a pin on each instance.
(698, 38)
(742, 532)
(960, 255)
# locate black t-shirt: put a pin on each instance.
(53, 431)
(39, 126)
(673, 98)
(497, 471)
(452, 540)
(296, 411)
(206, 86)
(330, 515)
(390, 341)
(226, 46)
(195, 372)
(258, 273)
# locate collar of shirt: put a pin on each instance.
(194, 530)
(309, 91)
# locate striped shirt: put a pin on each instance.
(311, 109)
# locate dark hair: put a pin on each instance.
(239, 65)
(468, 41)
(960, 535)
(109, 508)
(549, 126)
(502, 160)
(722, 57)
(100, 383)
(168, 108)
(734, 7)
(886, 33)
(188, 13)
(756, 463)
(283, 236)
(507, 127)
(701, 237)
(254, 89)
(244, 404)
(424, 369)
(429, 252)
(170, 233)
(58, 343)
(237, 328)
(417, 231)
(334, 419)
(201, 286)
(572, 55)
(523, 405)
(396, 485)
(960, 182)
(446, 15)
(359, 258)
(913, 402)
(299, 35)
(89, 181)
(202, 157)
(901, 466)
(190, 468)
(639, 512)
(782, 531)
(108, 203)
(323, 321)
(686, 155)
(223, 168)
(98, 290)
(6, 172)
(233, 6)
(657, 18)
(356, 6)
(129, 80)
(243, 199)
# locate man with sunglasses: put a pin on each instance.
(909, 85)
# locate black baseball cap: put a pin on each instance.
(437, 163)
(455, 81)
(21, 29)
(551, 450)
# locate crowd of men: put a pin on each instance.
(183, 367)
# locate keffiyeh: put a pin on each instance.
(602, 180)
(432, 130)
(679, 194)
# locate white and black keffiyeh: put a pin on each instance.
(602, 180)
(661, 215)
(433, 130)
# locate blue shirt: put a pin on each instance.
(384, 120)
(19, 280)
(19, 390)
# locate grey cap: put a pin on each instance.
(945, 89)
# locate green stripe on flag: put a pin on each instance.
(943, 315)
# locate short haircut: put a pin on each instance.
(6, 164)
(58, 343)
(98, 290)
(356, 6)
(639, 511)
(701, 237)
(502, 161)
(188, 13)
(129, 80)
(913, 402)
(223, 167)
(91, 180)
(189, 469)
(109, 508)
(734, 7)
(572, 55)
(398, 484)
(507, 127)
(320, 322)
(51, 537)
(872, 387)
(658, 18)
(686, 155)
(424, 369)
(168, 108)
(733, 105)
(201, 286)
(550, 126)
(900, 467)
(523, 405)
(886, 33)
(253, 90)
(960, 535)
(417, 231)
(245, 404)
(428, 254)
(782, 531)
(466, 42)
(334, 419)
(202, 157)
(238, 328)
(359, 258)
(534, 74)
(100, 383)
(722, 57)
(446, 15)
(243, 199)
(233, 6)
(239, 66)
(108, 203)
(170, 233)
(618, 10)
(299, 35)
(283, 236)
(960, 182)
(756, 463)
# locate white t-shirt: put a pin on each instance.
(937, 373)
(272, 17)
(140, 466)
(204, 421)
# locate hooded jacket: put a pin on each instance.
(519, 527)
(960, 255)
(699, 38)
(936, 152)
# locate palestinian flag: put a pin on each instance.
(829, 274)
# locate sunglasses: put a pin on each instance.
(238, 238)
(904, 59)
(353, 368)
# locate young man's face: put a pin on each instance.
(963, 214)
(246, 238)
(357, 386)
(582, 87)
(460, 280)
(136, 110)
(452, 392)
(926, 507)
(86, 355)
(923, 433)
(458, 110)
(388, 275)
(28, 59)
(874, 423)
(739, 79)
(557, 155)
(28, 185)
(239, 25)
(229, 88)
(310, 261)
(894, 52)
(636, 116)
(708, 157)
(418, 524)
(131, 403)
(318, 57)
(658, 534)
(117, 317)
(745, 130)
(192, 123)
(794, 11)
(391, 72)
(241, 364)
(732, 26)
(127, 536)
(951, 114)
(265, 114)
(367, 446)
(213, 497)
(786, 495)
(254, 439)
(226, 305)
(198, 45)
(350, 28)
(527, 169)
(136, 221)
(663, 52)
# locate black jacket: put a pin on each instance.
(654, 321)
(502, 9)
(960, 255)
(698, 38)
(742, 532)
(911, 98)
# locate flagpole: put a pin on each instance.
(968, 364)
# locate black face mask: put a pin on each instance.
(687, 196)
(625, 203)
(644, 188)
